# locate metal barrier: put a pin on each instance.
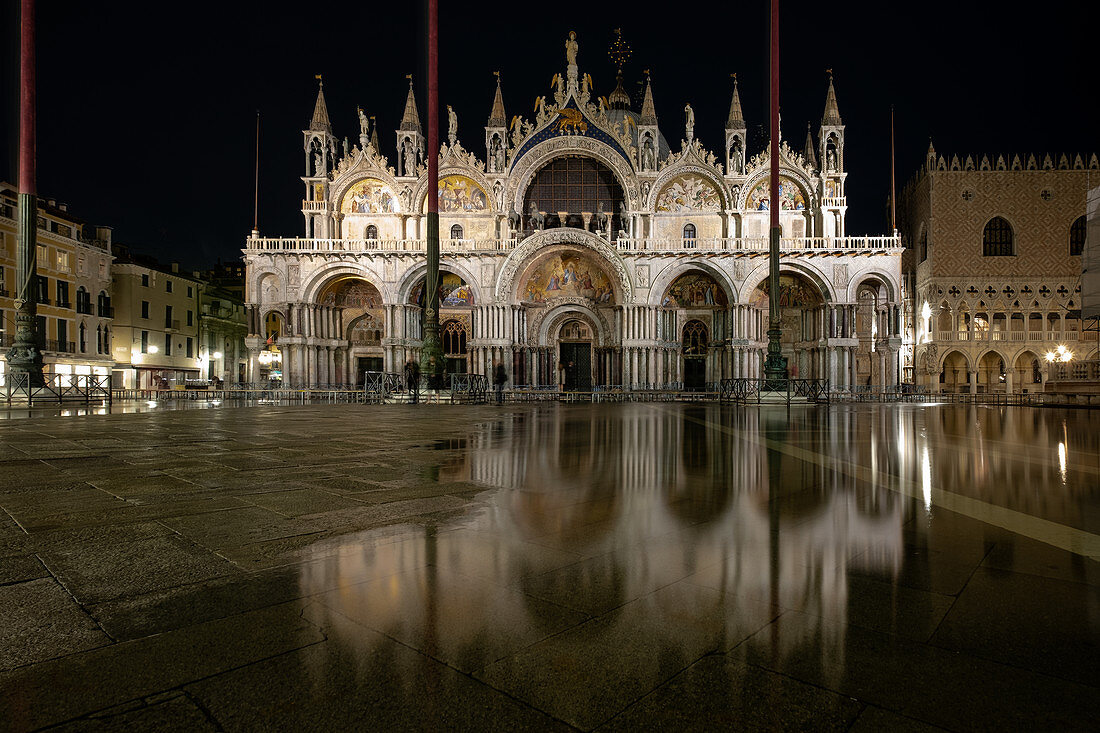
(469, 388)
(59, 388)
(775, 390)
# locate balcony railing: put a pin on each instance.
(1017, 336)
(64, 347)
(646, 244)
(106, 311)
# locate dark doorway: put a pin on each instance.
(695, 356)
(695, 374)
(367, 364)
(577, 359)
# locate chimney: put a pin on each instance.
(103, 234)
(63, 206)
(175, 267)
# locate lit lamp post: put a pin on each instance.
(1060, 355)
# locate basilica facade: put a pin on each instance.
(581, 248)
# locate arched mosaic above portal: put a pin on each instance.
(369, 196)
(694, 290)
(689, 193)
(567, 275)
(790, 195)
(794, 292)
(454, 292)
(461, 193)
(351, 292)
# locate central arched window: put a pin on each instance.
(695, 339)
(923, 244)
(371, 232)
(997, 239)
(573, 186)
(456, 231)
(454, 339)
(689, 233)
(1077, 236)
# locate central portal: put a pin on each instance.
(575, 352)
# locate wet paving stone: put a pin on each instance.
(591, 567)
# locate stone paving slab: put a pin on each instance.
(545, 567)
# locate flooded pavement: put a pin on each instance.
(587, 566)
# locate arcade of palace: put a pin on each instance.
(581, 251)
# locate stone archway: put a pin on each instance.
(800, 307)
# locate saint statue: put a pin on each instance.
(410, 160)
(364, 127)
(689, 124)
(735, 159)
(571, 49)
(452, 125)
(319, 164)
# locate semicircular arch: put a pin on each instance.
(784, 172)
(760, 274)
(668, 275)
(872, 273)
(312, 288)
(403, 287)
(672, 172)
(523, 171)
(546, 323)
(420, 190)
(529, 248)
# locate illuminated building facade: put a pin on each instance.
(994, 258)
(582, 249)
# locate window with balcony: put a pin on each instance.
(371, 232)
(83, 301)
(43, 294)
(689, 232)
(62, 261)
(103, 305)
(456, 231)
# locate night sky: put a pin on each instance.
(146, 121)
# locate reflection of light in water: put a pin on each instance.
(926, 478)
(650, 497)
(152, 403)
(1062, 460)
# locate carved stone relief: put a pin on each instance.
(641, 275)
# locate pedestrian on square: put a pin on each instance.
(412, 379)
(499, 378)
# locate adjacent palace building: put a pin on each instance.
(584, 247)
(996, 245)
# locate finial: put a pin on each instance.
(497, 75)
(319, 79)
(830, 73)
(410, 78)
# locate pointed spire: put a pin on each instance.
(411, 119)
(374, 135)
(832, 112)
(320, 120)
(736, 120)
(649, 113)
(497, 118)
(811, 159)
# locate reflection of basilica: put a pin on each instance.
(595, 512)
(583, 237)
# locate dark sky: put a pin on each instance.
(146, 120)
